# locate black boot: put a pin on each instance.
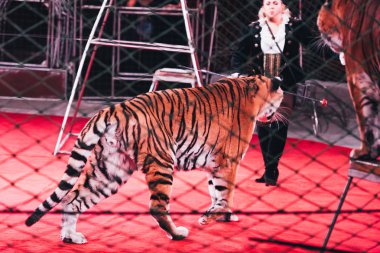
(271, 176)
(263, 131)
(279, 133)
(272, 142)
(260, 179)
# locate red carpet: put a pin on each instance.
(293, 217)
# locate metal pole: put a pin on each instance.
(194, 57)
(300, 17)
(213, 28)
(342, 198)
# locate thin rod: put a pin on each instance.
(342, 198)
(190, 37)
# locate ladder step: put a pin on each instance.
(369, 170)
(141, 10)
(135, 74)
(95, 7)
(131, 78)
(154, 10)
(142, 45)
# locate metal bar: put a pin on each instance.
(204, 71)
(114, 27)
(117, 61)
(213, 28)
(342, 198)
(81, 28)
(166, 13)
(94, 7)
(142, 45)
(30, 67)
(74, 49)
(77, 77)
(67, 32)
(135, 74)
(300, 17)
(189, 34)
(106, 98)
(7, 64)
(50, 34)
(144, 10)
(200, 40)
(64, 140)
(132, 78)
(64, 152)
(316, 121)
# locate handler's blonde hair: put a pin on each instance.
(285, 11)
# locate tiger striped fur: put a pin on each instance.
(208, 127)
(352, 28)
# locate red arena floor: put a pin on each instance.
(293, 217)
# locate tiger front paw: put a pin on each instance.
(362, 154)
(228, 217)
(179, 234)
(73, 237)
(217, 214)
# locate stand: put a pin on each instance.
(105, 7)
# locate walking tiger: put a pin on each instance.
(208, 127)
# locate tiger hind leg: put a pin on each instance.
(366, 97)
(160, 181)
(221, 187)
(97, 186)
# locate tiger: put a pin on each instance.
(352, 28)
(208, 127)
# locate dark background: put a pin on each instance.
(24, 38)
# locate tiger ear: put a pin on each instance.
(254, 88)
(261, 78)
(275, 83)
(328, 4)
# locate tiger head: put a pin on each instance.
(270, 95)
(329, 24)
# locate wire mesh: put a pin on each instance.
(41, 46)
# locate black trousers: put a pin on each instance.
(272, 135)
(272, 139)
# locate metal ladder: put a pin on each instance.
(104, 12)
